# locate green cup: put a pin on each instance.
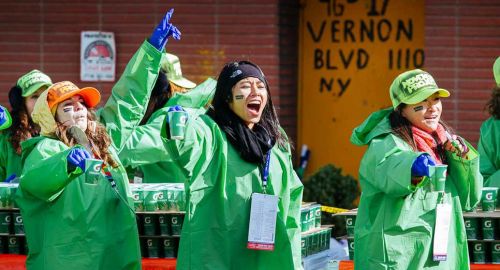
(18, 223)
(93, 170)
(5, 223)
(478, 252)
(317, 215)
(488, 226)
(177, 124)
(303, 245)
(176, 221)
(151, 200)
(5, 196)
(471, 228)
(13, 245)
(350, 221)
(138, 197)
(168, 245)
(350, 244)
(438, 179)
(495, 252)
(489, 198)
(314, 243)
(152, 247)
(304, 219)
(150, 221)
(163, 222)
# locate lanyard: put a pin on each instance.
(265, 174)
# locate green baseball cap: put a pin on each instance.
(496, 70)
(414, 86)
(32, 81)
(5, 119)
(172, 66)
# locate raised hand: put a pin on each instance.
(163, 31)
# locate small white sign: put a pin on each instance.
(97, 56)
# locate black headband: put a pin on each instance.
(243, 71)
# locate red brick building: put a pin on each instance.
(462, 38)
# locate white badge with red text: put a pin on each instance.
(262, 227)
(441, 232)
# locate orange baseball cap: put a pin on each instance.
(61, 91)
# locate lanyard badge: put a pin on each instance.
(262, 227)
(441, 232)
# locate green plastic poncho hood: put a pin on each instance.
(375, 125)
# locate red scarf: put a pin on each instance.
(426, 142)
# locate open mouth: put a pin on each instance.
(254, 107)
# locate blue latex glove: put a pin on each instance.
(3, 115)
(176, 108)
(420, 166)
(163, 31)
(11, 178)
(77, 157)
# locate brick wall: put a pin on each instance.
(462, 42)
(45, 34)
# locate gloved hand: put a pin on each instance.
(77, 157)
(163, 31)
(176, 108)
(420, 166)
(3, 115)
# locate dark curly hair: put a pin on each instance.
(22, 127)
(493, 105)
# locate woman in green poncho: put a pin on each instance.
(22, 98)
(488, 145)
(224, 156)
(73, 219)
(395, 226)
(70, 221)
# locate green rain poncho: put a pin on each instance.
(10, 161)
(220, 184)
(489, 150)
(395, 223)
(74, 225)
(145, 149)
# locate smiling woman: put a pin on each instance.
(405, 141)
(231, 156)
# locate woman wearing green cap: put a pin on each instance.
(143, 154)
(396, 223)
(488, 145)
(236, 158)
(22, 98)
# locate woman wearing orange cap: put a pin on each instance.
(72, 217)
(70, 221)
(22, 98)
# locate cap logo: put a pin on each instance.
(415, 83)
(235, 73)
(65, 88)
(177, 69)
